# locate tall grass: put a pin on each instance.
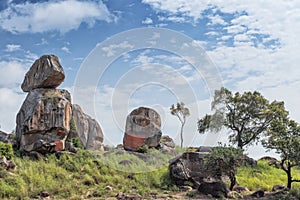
(75, 177)
(264, 177)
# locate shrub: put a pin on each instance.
(143, 149)
(6, 150)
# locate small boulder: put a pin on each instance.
(7, 164)
(217, 189)
(167, 141)
(240, 189)
(142, 129)
(258, 194)
(46, 72)
(277, 188)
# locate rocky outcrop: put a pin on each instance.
(87, 129)
(46, 72)
(43, 120)
(142, 129)
(188, 167)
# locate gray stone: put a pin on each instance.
(142, 129)
(46, 72)
(88, 129)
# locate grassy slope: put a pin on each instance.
(264, 177)
(85, 176)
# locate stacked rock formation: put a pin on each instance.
(142, 128)
(43, 122)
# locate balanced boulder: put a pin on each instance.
(46, 72)
(143, 128)
(87, 129)
(43, 120)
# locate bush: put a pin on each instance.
(143, 149)
(6, 150)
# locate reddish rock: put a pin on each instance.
(142, 128)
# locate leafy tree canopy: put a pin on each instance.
(248, 115)
(284, 137)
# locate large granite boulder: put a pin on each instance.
(88, 129)
(46, 72)
(43, 120)
(142, 128)
(188, 167)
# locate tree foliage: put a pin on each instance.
(223, 161)
(247, 115)
(181, 112)
(284, 137)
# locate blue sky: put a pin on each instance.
(242, 45)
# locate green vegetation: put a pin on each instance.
(264, 177)
(248, 115)
(82, 176)
(223, 161)
(284, 137)
(87, 174)
(6, 150)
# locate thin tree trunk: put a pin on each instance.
(232, 181)
(181, 135)
(289, 176)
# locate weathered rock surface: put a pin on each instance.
(217, 189)
(43, 120)
(188, 167)
(88, 129)
(46, 72)
(167, 146)
(142, 128)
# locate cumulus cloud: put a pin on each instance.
(65, 49)
(147, 21)
(11, 72)
(111, 49)
(61, 16)
(12, 47)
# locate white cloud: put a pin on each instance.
(61, 16)
(12, 47)
(11, 73)
(111, 49)
(10, 103)
(216, 20)
(147, 21)
(65, 49)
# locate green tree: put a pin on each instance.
(181, 112)
(248, 115)
(223, 161)
(284, 137)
